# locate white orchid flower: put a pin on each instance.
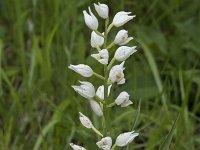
(125, 138)
(76, 147)
(102, 10)
(105, 143)
(123, 52)
(96, 108)
(116, 74)
(82, 69)
(86, 89)
(102, 56)
(123, 99)
(90, 20)
(85, 121)
(100, 91)
(122, 38)
(96, 40)
(121, 18)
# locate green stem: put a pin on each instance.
(97, 131)
(113, 147)
(110, 45)
(98, 76)
(111, 104)
(98, 99)
(109, 28)
(105, 85)
(98, 48)
(111, 63)
(98, 33)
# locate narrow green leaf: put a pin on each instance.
(165, 145)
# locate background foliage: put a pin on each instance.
(40, 38)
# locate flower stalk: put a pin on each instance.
(112, 74)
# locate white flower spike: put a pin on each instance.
(121, 18)
(102, 10)
(96, 108)
(122, 38)
(90, 20)
(100, 91)
(105, 143)
(86, 89)
(82, 69)
(102, 56)
(76, 147)
(125, 138)
(85, 121)
(116, 74)
(96, 40)
(123, 99)
(123, 52)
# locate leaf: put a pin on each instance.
(166, 143)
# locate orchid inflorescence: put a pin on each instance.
(112, 74)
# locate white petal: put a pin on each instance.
(105, 143)
(96, 108)
(96, 40)
(121, 18)
(76, 147)
(127, 103)
(125, 138)
(90, 20)
(102, 10)
(123, 52)
(85, 121)
(82, 69)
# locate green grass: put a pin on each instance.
(39, 109)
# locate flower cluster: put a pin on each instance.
(98, 99)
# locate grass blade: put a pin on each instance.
(165, 145)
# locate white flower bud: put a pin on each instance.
(125, 138)
(102, 10)
(122, 38)
(123, 99)
(86, 89)
(105, 143)
(100, 91)
(121, 18)
(116, 74)
(96, 108)
(123, 52)
(85, 121)
(82, 69)
(90, 20)
(102, 56)
(96, 40)
(76, 147)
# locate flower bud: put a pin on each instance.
(116, 74)
(122, 37)
(100, 91)
(121, 18)
(82, 69)
(123, 52)
(76, 147)
(102, 56)
(96, 108)
(85, 121)
(102, 10)
(90, 20)
(86, 89)
(96, 40)
(105, 143)
(125, 138)
(123, 99)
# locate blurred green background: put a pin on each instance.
(40, 38)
